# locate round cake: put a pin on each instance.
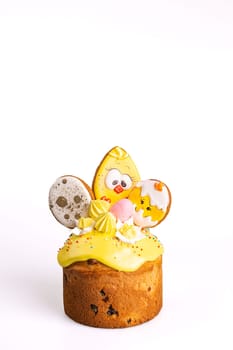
(112, 262)
(99, 296)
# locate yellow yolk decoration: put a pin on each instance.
(128, 231)
(115, 176)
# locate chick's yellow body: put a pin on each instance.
(115, 176)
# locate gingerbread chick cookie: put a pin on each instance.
(115, 176)
(69, 199)
(152, 200)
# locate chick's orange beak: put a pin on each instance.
(118, 189)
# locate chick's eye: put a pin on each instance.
(113, 178)
(126, 182)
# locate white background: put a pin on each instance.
(156, 78)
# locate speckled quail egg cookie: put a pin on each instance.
(69, 199)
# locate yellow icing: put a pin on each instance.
(85, 222)
(98, 207)
(106, 223)
(109, 250)
(98, 240)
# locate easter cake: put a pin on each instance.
(111, 261)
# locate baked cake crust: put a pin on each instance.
(99, 296)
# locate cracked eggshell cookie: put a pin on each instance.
(115, 176)
(69, 199)
(152, 200)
